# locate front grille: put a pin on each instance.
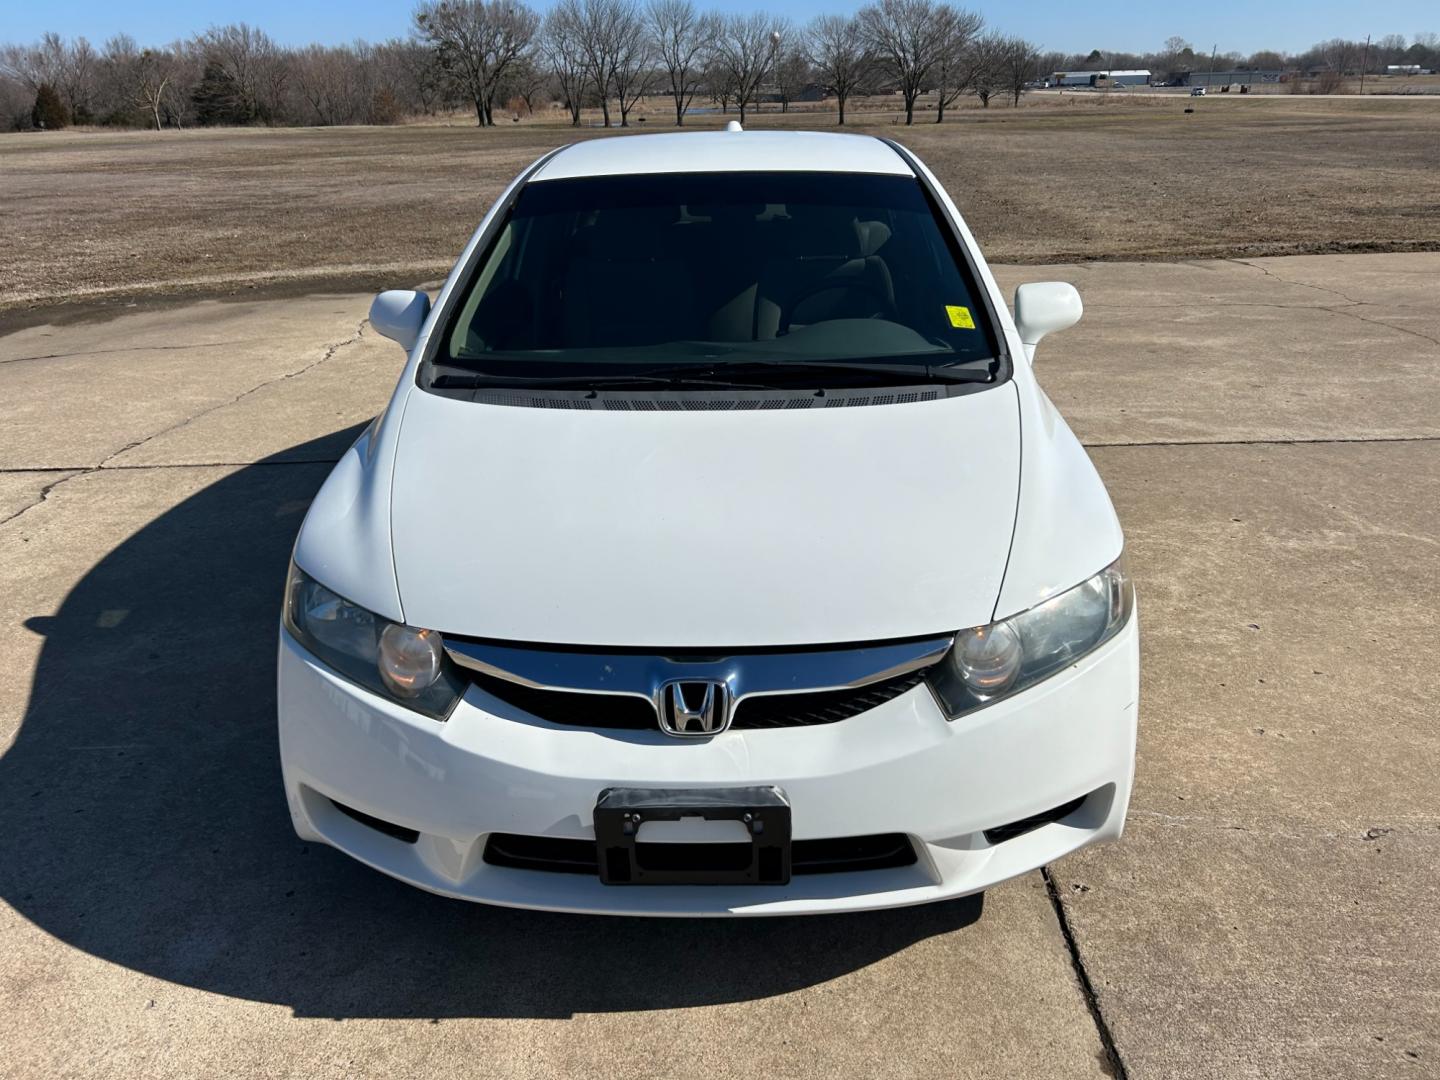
(837, 855)
(570, 708)
(636, 714)
(826, 707)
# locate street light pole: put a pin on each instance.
(774, 52)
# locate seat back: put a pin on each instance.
(621, 285)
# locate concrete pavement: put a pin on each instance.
(1270, 431)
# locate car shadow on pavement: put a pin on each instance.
(142, 818)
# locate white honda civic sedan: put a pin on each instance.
(716, 554)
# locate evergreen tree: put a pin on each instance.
(49, 111)
(216, 97)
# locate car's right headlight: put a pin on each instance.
(406, 664)
(990, 662)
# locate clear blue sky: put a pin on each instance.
(1064, 25)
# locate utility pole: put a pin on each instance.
(1364, 64)
(774, 52)
(1210, 81)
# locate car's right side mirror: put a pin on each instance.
(1042, 307)
(399, 314)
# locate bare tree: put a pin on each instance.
(966, 63)
(1018, 63)
(177, 105)
(594, 32)
(614, 50)
(632, 56)
(77, 83)
(370, 99)
(67, 66)
(420, 73)
(837, 49)
(476, 41)
(911, 38)
(1266, 60)
(153, 72)
(526, 79)
(30, 67)
(681, 35)
(564, 49)
(1175, 55)
(328, 81)
(791, 73)
(114, 83)
(1340, 56)
(744, 49)
(272, 82)
(719, 82)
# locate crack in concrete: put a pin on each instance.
(44, 494)
(172, 465)
(1349, 300)
(1419, 826)
(104, 465)
(1087, 989)
(329, 352)
(1155, 444)
(129, 349)
(1329, 440)
(1290, 281)
(1377, 322)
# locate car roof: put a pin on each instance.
(725, 151)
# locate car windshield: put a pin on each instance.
(746, 278)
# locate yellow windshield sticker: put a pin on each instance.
(960, 317)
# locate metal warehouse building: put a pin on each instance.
(1229, 78)
(1099, 78)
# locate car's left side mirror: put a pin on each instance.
(1042, 307)
(399, 314)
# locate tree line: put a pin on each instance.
(1339, 57)
(499, 56)
(493, 56)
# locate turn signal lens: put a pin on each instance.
(410, 659)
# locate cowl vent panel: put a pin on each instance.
(720, 401)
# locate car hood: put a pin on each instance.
(704, 529)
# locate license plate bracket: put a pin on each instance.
(764, 811)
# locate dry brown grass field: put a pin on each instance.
(96, 216)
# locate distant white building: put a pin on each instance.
(1405, 69)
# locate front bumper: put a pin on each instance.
(899, 768)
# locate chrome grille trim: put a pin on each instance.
(746, 675)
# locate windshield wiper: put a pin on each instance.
(664, 379)
(717, 375)
(902, 371)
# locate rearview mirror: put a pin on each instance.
(399, 314)
(1042, 307)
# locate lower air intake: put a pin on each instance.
(1001, 833)
(839, 855)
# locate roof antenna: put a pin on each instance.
(734, 125)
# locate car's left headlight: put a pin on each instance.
(990, 662)
(406, 664)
